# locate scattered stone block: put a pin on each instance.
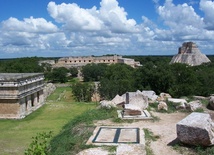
(194, 105)
(150, 94)
(211, 102)
(178, 103)
(107, 104)
(196, 129)
(162, 106)
(163, 97)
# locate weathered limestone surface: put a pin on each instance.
(131, 149)
(150, 94)
(139, 100)
(20, 94)
(178, 103)
(118, 99)
(94, 151)
(162, 106)
(84, 60)
(196, 129)
(190, 54)
(133, 102)
(211, 102)
(107, 104)
(163, 97)
(48, 89)
(194, 105)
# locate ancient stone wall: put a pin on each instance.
(9, 108)
(190, 54)
(84, 60)
(20, 94)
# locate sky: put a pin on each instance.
(61, 28)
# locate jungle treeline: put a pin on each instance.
(155, 74)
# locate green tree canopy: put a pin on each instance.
(93, 72)
(118, 79)
(58, 75)
(83, 91)
(73, 71)
(21, 65)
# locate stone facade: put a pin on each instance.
(84, 60)
(20, 94)
(190, 54)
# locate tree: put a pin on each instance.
(185, 81)
(21, 65)
(73, 71)
(205, 76)
(154, 77)
(93, 72)
(83, 91)
(118, 79)
(58, 75)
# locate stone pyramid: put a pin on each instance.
(189, 54)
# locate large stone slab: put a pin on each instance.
(196, 129)
(105, 135)
(117, 135)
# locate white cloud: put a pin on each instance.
(73, 17)
(34, 25)
(179, 16)
(115, 17)
(109, 17)
(182, 23)
(207, 6)
(107, 29)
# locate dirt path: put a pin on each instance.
(165, 128)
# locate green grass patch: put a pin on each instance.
(72, 139)
(149, 137)
(16, 135)
(193, 150)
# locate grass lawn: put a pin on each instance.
(16, 135)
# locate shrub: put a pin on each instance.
(40, 144)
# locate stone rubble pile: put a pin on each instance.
(135, 102)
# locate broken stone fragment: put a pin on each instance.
(196, 129)
(162, 106)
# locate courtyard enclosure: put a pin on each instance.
(20, 94)
(84, 60)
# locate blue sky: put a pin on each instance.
(98, 27)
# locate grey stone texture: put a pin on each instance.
(211, 102)
(162, 106)
(196, 129)
(20, 94)
(194, 105)
(190, 54)
(49, 89)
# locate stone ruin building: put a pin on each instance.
(84, 60)
(20, 94)
(189, 54)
